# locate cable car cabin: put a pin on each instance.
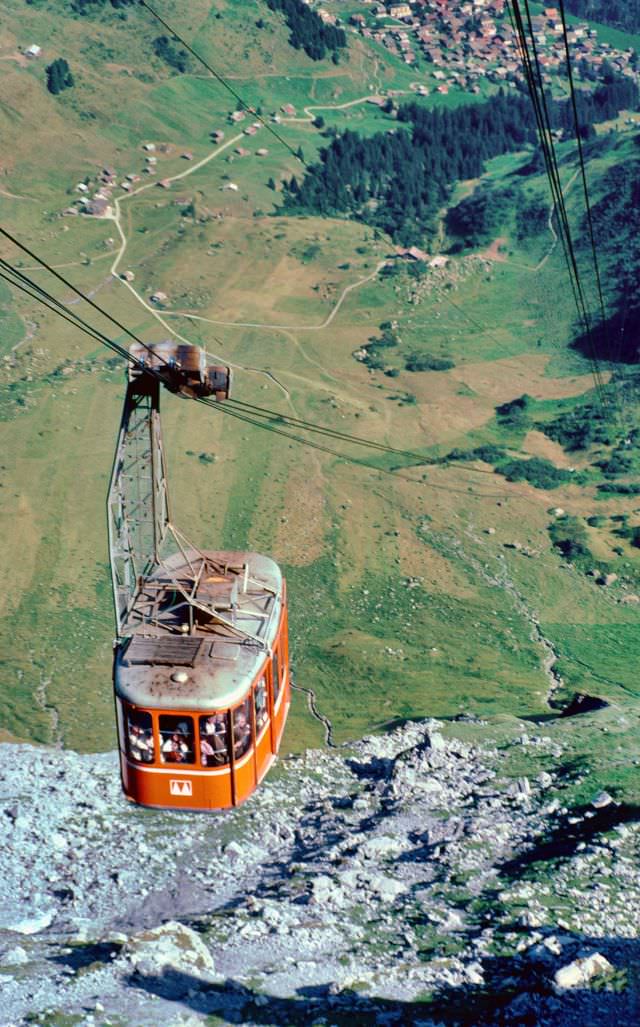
(201, 660)
(202, 702)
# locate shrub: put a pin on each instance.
(620, 488)
(569, 536)
(515, 412)
(427, 362)
(173, 55)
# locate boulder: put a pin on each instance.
(581, 971)
(601, 800)
(383, 845)
(387, 888)
(172, 946)
(33, 924)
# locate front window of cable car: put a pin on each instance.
(242, 728)
(176, 739)
(139, 736)
(260, 699)
(214, 739)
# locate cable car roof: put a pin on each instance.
(213, 664)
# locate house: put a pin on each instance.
(164, 183)
(187, 155)
(250, 130)
(33, 51)
(438, 262)
(241, 152)
(288, 109)
(412, 253)
(127, 276)
(149, 147)
(126, 186)
(82, 188)
(399, 11)
(217, 136)
(99, 207)
(159, 297)
(237, 116)
(231, 185)
(261, 152)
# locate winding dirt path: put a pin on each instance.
(284, 328)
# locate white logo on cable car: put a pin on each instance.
(180, 787)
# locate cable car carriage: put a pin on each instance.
(201, 660)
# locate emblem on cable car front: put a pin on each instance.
(180, 787)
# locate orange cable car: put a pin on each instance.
(201, 665)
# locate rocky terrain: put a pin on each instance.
(411, 878)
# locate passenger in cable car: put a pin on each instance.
(140, 744)
(241, 729)
(207, 751)
(261, 705)
(175, 749)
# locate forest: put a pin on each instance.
(308, 31)
(622, 14)
(397, 180)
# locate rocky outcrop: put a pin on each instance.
(395, 881)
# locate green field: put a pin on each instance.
(407, 597)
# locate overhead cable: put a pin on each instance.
(223, 81)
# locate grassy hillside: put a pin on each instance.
(435, 591)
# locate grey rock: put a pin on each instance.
(16, 956)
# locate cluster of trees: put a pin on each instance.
(398, 180)
(427, 362)
(477, 219)
(616, 220)
(621, 13)
(174, 55)
(616, 93)
(308, 31)
(587, 425)
(59, 76)
(540, 473)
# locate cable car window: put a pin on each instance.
(214, 740)
(176, 739)
(276, 677)
(242, 728)
(139, 736)
(260, 699)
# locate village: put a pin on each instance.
(96, 192)
(467, 42)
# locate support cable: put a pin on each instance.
(541, 110)
(36, 292)
(78, 292)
